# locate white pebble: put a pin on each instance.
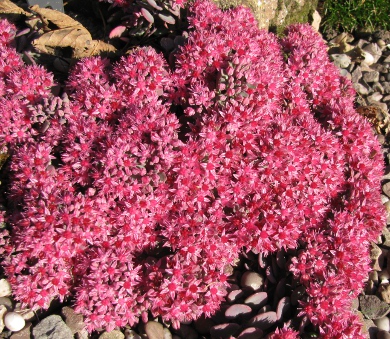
(383, 323)
(14, 321)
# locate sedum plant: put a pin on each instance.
(134, 192)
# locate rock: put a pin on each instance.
(370, 328)
(386, 236)
(252, 280)
(386, 87)
(225, 331)
(24, 333)
(167, 334)
(383, 323)
(251, 333)
(374, 50)
(257, 300)
(203, 324)
(187, 332)
(235, 295)
(345, 73)
(386, 98)
(372, 76)
(374, 98)
(3, 310)
(383, 69)
(115, 334)
(52, 327)
(368, 58)
(263, 320)
(282, 308)
(376, 257)
(386, 189)
(7, 302)
(383, 335)
(341, 60)
(316, 20)
(74, 320)
(372, 307)
(14, 321)
(238, 311)
(356, 74)
(377, 87)
(130, 334)
(5, 288)
(384, 292)
(154, 330)
(361, 89)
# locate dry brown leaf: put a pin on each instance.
(8, 7)
(93, 47)
(59, 19)
(75, 38)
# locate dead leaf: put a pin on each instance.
(59, 19)
(8, 7)
(94, 47)
(66, 37)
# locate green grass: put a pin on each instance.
(352, 15)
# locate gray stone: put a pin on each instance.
(115, 334)
(361, 89)
(130, 334)
(7, 302)
(383, 335)
(386, 87)
(386, 98)
(357, 74)
(52, 327)
(341, 60)
(73, 320)
(372, 307)
(374, 98)
(380, 68)
(154, 330)
(372, 76)
(374, 50)
(377, 87)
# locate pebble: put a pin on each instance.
(24, 333)
(383, 323)
(74, 320)
(252, 280)
(7, 302)
(225, 331)
(14, 321)
(341, 60)
(154, 330)
(264, 320)
(371, 76)
(3, 310)
(383, 335)
(115, 334)
(52, 327)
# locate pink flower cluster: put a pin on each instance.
(146, 183)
